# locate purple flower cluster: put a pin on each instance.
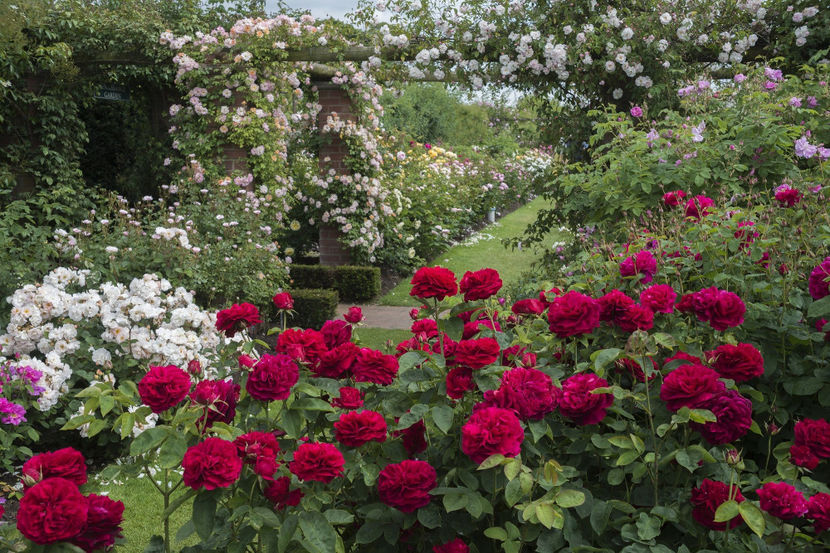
(20, 381)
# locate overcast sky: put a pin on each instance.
(319, 8)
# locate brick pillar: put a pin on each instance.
(233, 157)
(333, 151)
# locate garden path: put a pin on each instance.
(381, 316)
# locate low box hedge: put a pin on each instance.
(313, 307)
(353, 283)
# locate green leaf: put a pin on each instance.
(156, 545)
(648, 527)
(96, 426)
(410, 359)
(491, 461)
(549, 516)
(513, 492)
(172, 451)
(442, 417)
(569, 498)
(496, 533)
(339, 516)
(204, 514)
(369, 532)
(726, 511)
(455, 501)
(178, 502)
(148, 440)
(512, 468)
(627, 457)
(819, 308)
(106, 404)
(753, 517)
(604, 357)
(319, 534)
(286, 533)
(429, 516)
(312, 404)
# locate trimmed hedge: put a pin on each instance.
(353, 283)
(313, 307)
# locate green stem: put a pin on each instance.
(167, 546)
(656, 472)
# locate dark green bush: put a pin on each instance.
(313, 307)
(353, 283)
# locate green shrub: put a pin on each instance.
(313, 307)
(353, 283)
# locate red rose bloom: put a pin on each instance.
(690, 386)
(163, 387)
(734, 413)
(579, 404)
(194, 368)
(66, 463)
(686, 359)
(374, 366)
(424, 329)
(787, 196)
(518, 356)
(272, 378)
(218, 399)
(337, 362)
(280, 494)
(213, 463)
(573, 314)
(283, 301)
(636, 317)
(530, 306)
(433, 282)
(477, 353)
(696, 207)
(728, 310)
(740, 363)
(406, 485)
(814, 434)
(246, 361)
(52, 510)
(350, 398)
(706, 500)
(613, 306)
(643, 263)
(354, 315)
(354, 429)
(802, 456)
(782, 500)
(335, 333)
(455, 546)
(818, 509)
(489, 431)
(414, 438)
(819, 281)
(103, 524)
(528, 392)
(304, 346)
(459, 380)
(659, 298)
(237, 317)
(317, 461)
(480, 285)
(673, 199)
(259, 449)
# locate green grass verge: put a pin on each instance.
(376, 338)
(484, 249)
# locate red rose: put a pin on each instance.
(354, 315)
(684, 357)
(659, 298)
(337, 362)
(613, 306)
(518, 356)
(696, 207)
(531, 306)
(449, 345)
(745, 234)
(480, 285)
(643, 263)
(459, 380)
(52, 510)
(283, 301)
(455, 546)
(474, 327)
(819, 281)
(706, 500)
(194, 368)
(734, 413)
(787, 196)
(218, 399)
(350, 398)
(424, 329)
(103, 524)
(374, 366)
(690, 386)
(304, 346)
(477, 353)
(782, 500)
(246, 361)
(317, 461)
(814, 434)
(573, 314)
(406, 485)
(579, 404)
(354, 428)
(414, 437)
(820, 324)
(492, 430)
(272, 378)
(818, 509)
(673, 199)
(433, 282)
(528, 392)
(66, 463)
(803, 456)
(728, 310)
(740, 363)
(259, 449)
(336, 333)
(237, 317)
(163, 387)
(213, 463)
(413, 344)
(279, 493)
(636, 317)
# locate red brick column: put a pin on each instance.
(233, 157)
(333, 152)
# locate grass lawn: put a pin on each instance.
(376, 338)
(484, 249)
